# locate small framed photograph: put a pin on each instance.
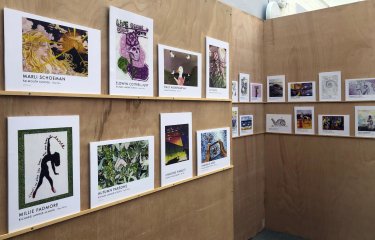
(360, 89)
(364, 121)
(279, 123)
(256, 92)
(276, 88)
(304, 120)
(330, 86)
(244, 83)
(333, 125)
(301, 92)
(246, 125)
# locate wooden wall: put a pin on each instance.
(247, 57)
(321, 187)
(206, 208)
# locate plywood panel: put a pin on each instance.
(320, 187)
(247, 57)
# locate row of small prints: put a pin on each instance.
(44, 164)
(304, 122)
(362, 89)
(48, 55)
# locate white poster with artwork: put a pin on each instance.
(362, 89)
(244, 85)
(234, 91)
(329, 86)
(47, 55)
(217, 68)
(333, 125)
(179, 72)
(364, 121)
(213, 150)
(120, 169)
(256, 92)
(176, 147)
(246, 125)
(276, 88)
(279, 123)
(43, 169)
(234, 121)
(301, 92)
(130, 53)
(304, 120)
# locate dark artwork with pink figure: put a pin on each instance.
(132, 54)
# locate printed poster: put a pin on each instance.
(176, 147)
(301, 91)
(279, 123)
(334, 125)
(130, 53)
(276, 88)
(43, 169)
(213, 148)
(234, 91)
(217, 68)
(246, 125)
(47, 55)
(121, 168)
(256, 92)
(179, 73)
(360, 89)
(304, 120)
(234, 121)
(244, 85)
(364, 121)
(330, 86)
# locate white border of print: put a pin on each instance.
(244, 97)
(123, 190)
(256, 99)
(330, 74)
(179, 91)
(279, 129)
(182, 170)
(235, 98)
(345, 132)
(302, 98)
(14, 74)
(304, 131)
(275, 99)
(246, 132)
(364, 134)
(127, 88)
(221, 93)
(235, 130)
(66, 206)
(357, 97)
(203, 168)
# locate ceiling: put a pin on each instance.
(310, 5)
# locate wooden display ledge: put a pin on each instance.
(250, 135)
(248, 102)
(317, 135)
(91, 210)
(106, 96)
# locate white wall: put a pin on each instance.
(256, 8)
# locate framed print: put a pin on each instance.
(244, 84)
(276, 88)
(301, 92)
(120, 168)
(179, 73)
(333, 125)
(304, 120)
(130, 53)
(364, 121)
(330, 86)
(362, 89)
(43, 169)
(213, 148)
(234, 121)
(234, 91)
(176, 147)
(279, 123)
(47, 55)
(256, 92)
(246, 125)
(217, 68)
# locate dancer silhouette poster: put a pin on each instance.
(130, 53)
(213, 150)
(176, 147)
(279, 123)
(47, 55)
(180, 73)
(217, 68)
(43, 169)
(121, 168)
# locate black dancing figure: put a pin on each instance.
(55, 161)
